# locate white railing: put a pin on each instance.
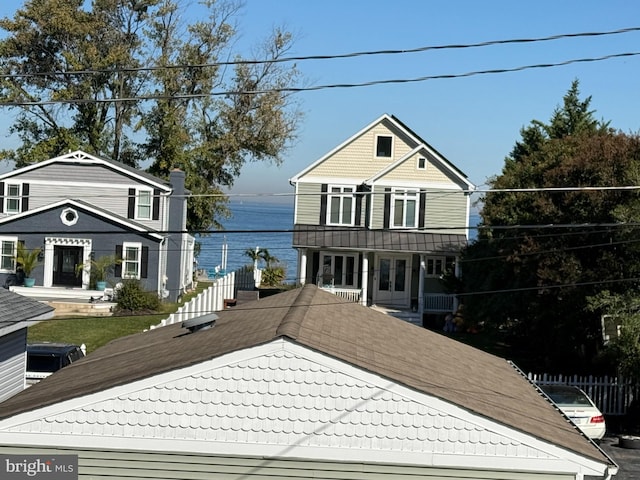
(612, 395)
(209, 300)
(439, 302)
(350, 294)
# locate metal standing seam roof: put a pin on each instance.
(426, 361)
(363, 238)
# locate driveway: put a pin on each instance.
(627, 459)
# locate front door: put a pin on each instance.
(65, 260)
(393, 280)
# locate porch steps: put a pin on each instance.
(83, 309)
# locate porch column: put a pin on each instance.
(421, 285)
(365, 278)
(302, 266)
(456, 270)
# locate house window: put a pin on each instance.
(384, 145)
(13, 199)
(8, 253)
(341, 206)
(404, 208)
(437, 266)
(422, 163)
(339, 270)
(131, 260)
(143, 207)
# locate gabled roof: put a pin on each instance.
(79, 204)
(17, 312)
(428, 362)
(407, 131)
(87, 159)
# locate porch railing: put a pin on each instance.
(350, 294)
(438, 302)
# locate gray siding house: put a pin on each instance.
(380, 218)
(299, 385)
(17, 313)
(79, 207)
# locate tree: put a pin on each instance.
(538, 275)
(129, 80)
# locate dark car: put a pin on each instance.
(45, 358)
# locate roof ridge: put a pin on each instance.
(296, 313)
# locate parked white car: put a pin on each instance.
(580, 409)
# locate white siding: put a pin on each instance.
(12, 363)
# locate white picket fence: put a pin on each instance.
(612, 395)
(212, 298)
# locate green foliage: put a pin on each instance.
(134, 47)
(27, 259)
(273, 276)
(131, 297)
(99, 268)
(538, 276)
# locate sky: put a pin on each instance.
(473, 121)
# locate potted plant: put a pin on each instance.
(27, 260)
(99, 269)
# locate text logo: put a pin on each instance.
(50, 467)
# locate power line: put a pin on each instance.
(79, 101)
(454, 46)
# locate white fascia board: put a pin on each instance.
(558, 459)
(82, 206)
(87, 158)
(332, 180)
(385, 116)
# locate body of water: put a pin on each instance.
(260, 225)
(253, 224)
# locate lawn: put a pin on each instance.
(95, 332)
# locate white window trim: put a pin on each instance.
(13, 240)
(341, 195)
(375, 146)
(394, 196)
(138, 247)
(8, 197)
(138, 204)
(342, 282)
(418, 167)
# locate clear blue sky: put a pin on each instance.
(472, 121)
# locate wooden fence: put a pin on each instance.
(612, 395)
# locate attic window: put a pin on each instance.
(422, 163)
(384, 144)
(69, 217)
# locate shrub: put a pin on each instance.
(273, 276)
(131, 297)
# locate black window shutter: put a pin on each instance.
(358, 218)
(156, 204)
(315, 266)
(387, 207)
(144, 262)
(323, 204)
(1, 197)
(25, 197)
(131, 210)
(117, 271)
(421, 212)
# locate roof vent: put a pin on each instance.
(203, 322)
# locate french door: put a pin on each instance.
(392, 280)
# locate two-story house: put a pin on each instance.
(78, 207)
(380, 218)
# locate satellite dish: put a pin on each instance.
(203, 322)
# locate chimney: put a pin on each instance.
(176, 225)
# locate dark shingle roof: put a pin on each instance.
(15, 309)
(418, 358)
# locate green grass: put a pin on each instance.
(95, 332)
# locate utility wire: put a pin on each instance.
(79, 101)
(454, 46)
